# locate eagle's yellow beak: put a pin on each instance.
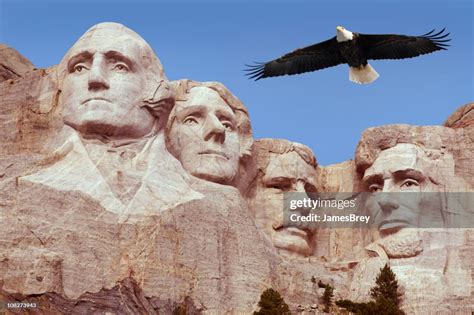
(340, 28)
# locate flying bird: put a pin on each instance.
(353, 49)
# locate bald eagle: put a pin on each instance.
(351, 48)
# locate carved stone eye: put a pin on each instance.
(280, 183)
(120, 67)
(190, 121)
(228, 125)
(410, 183)
(79, 68)
(375, 188)
(309, 187)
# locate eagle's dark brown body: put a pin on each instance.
(355, 51)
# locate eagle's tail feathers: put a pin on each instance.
(363, 74)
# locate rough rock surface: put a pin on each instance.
(431, 264)
(443, 141)
(124, 298)
(12, 64)
(462, 118)
(208, 250)
(200, 245)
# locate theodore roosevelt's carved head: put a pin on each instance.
(282, 167)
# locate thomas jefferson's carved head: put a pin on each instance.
(208, 131)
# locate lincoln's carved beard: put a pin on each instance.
(402, 244)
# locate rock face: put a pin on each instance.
(281, 167)
(400, 161)
(177, 236)
(122, 192)
(12, 64)
(462, 118)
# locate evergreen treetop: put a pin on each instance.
(386, 286)
(271, 303)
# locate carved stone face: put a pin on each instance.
(203, 136)
(104, 84)
(285, 173)
(396, 172)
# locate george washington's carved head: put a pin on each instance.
(106, 77)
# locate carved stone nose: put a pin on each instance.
(300, 186)
(388, 204)
(98, 85)
(214, 130)
(98, 77)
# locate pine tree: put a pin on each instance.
(387, 307)
(271, 303)
(386, 286)
(179, 310)
(385, 293)
(327, 297)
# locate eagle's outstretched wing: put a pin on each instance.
(315, 57)
(393, 46)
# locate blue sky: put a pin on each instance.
(212, 40)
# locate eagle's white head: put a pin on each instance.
(343, 35)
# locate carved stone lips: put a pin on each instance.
(214, 152)
(297, 232)
(95, 99)
(290, 230)
(393, 224)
